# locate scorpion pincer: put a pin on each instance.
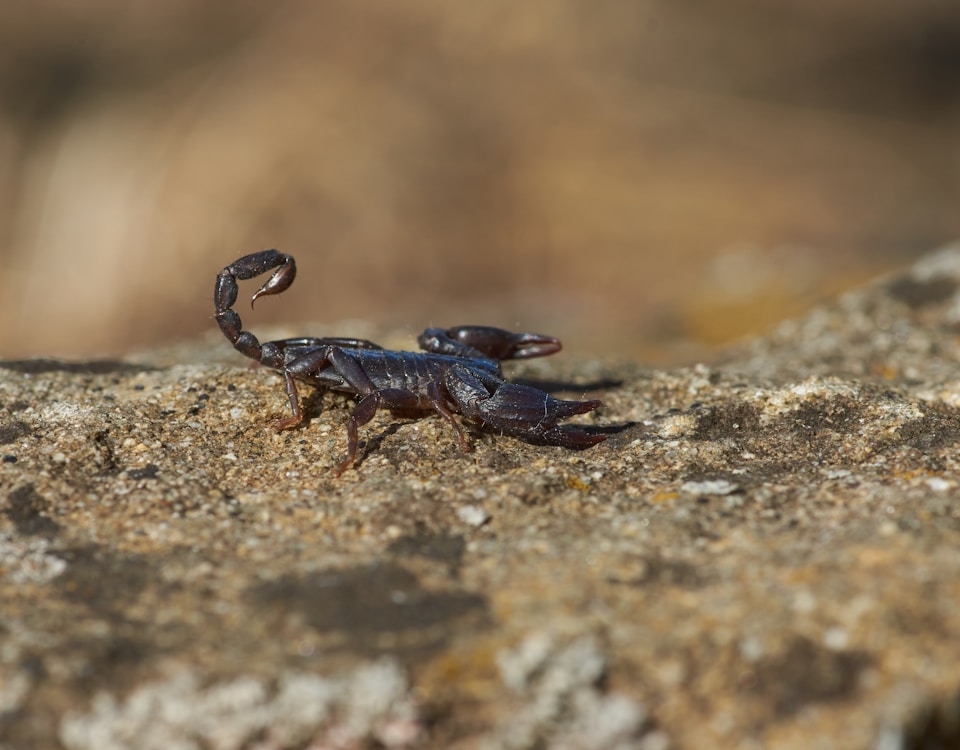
(458, 371)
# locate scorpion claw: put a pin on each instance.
(572, 436)
(501, 344)
(533, 415)
(488, 341)
(527, 345)
(564, 409)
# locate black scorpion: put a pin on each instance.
(458, 371)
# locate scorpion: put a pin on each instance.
(458, 370)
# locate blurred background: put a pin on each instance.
(648, 178)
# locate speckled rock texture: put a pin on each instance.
(764, 553)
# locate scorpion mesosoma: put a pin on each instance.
(458, 371)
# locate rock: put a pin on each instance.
(764, 550)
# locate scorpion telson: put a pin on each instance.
(458, 371)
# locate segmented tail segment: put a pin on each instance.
(225, 296)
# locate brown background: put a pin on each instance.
(642, 178)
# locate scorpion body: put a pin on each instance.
(458, 370)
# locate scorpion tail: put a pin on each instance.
(225, 296)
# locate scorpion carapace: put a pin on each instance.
(458, 371)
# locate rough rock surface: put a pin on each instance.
(764, 553)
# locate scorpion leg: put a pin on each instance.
(314, 362)
(392, 398)
(307, 365)
(438, 396)
(487, 342)
(364, 411)
(297, 416)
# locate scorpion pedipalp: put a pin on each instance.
(487, 342)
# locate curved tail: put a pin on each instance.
(225, 295)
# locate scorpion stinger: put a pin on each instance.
(457, 373)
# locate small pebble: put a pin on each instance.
(938, 484)
(836, 639)
(710, 487)
(472, 515)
